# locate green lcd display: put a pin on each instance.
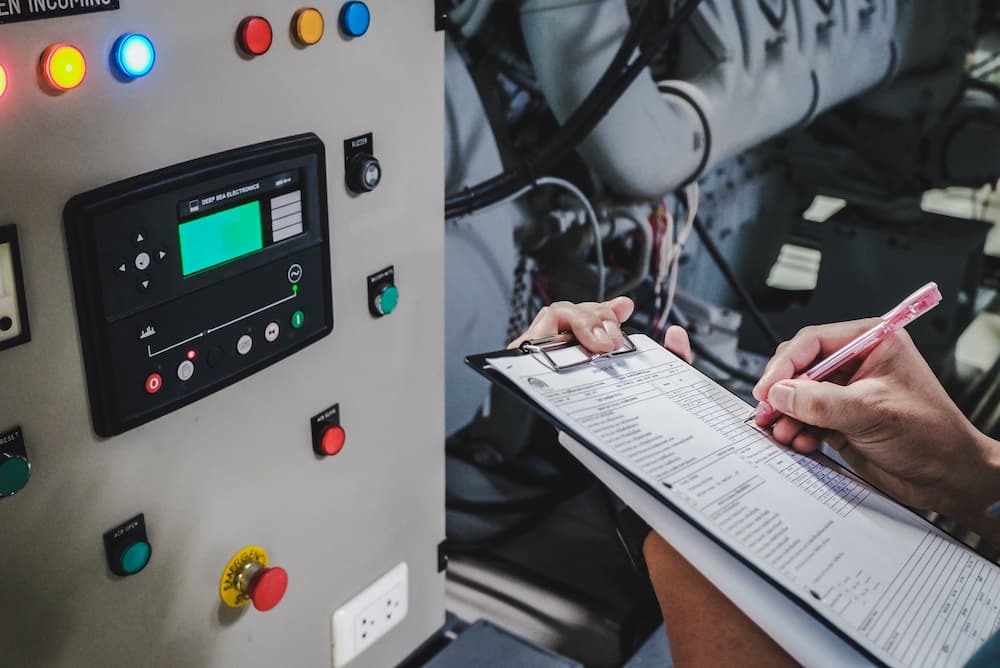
(220, 237)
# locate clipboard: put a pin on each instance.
(846, 650)
(542, 349)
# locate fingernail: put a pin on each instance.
(782, 397)
(601, 335)
(614, 331)
(756, 389)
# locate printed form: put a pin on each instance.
(907, 593)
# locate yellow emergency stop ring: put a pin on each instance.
(228, 591)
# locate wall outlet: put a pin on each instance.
(370, 615)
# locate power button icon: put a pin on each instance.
(295, 273)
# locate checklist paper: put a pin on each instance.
(780, 533)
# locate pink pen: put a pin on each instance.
(914, 306)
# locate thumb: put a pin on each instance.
(825, 405)
(623, 307)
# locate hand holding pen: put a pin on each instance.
(911, 308)
(888, 416)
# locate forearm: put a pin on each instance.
(703, 626)
(976, 490)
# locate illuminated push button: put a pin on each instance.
(333, 441)
(387, 300)
(154, 383)
(134, 55)
(15, 471)
(3, 80)
(135, 557)
(309, 26)
(355, 18)
(255, 35)
(298, 319)
(63, 67)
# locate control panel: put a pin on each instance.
(204, 412)
(192, 277)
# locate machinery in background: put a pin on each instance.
(214, 310)
(595, 120)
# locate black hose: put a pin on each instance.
(645, 33)
(722, 365)
(727, 271)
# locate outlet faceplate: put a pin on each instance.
(370, 615)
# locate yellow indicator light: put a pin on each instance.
(309, 26)
(3, 81)
(63, 66)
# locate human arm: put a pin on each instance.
(890, 419)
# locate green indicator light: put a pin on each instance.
(220, 237)
(135, 558)
(295, 288)
(14, 475)
(298, 319)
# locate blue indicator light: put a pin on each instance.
(355, 18)
(134, 55)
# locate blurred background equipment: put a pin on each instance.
(754, 167)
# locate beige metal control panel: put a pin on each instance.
(232, 528)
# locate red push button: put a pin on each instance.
(255, 35)
(268, 588)
(154, 383)
(333, 441)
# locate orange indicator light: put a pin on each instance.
(3, 81)
(63, 67)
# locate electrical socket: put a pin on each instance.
(370, 615)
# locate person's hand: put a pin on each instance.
(597, 326)
(887, 415)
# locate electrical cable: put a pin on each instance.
(727, 271)
(602, 270)
(678, 318)
(645, 250)
(477, 18)
(645, 33)
(595, 223)
(722, 365)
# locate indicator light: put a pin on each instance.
(255, 35)
(309, 26)
(192, 354)
(355, 18)
(3, 80)
(63, 67)
(134, 55)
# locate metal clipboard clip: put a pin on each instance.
(540, 348)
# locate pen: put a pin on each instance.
(911, 308)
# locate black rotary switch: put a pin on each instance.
(364, 173)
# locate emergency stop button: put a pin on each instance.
(255, 35)
(248, 578)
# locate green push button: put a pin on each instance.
(298, 319)
(135, 558)
(14, 474)
(387, 302)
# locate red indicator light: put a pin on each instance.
(255, 35)
(192, 354)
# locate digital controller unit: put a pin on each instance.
(193, 277)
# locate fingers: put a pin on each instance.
(596, 326)
(826, 405)
(676, 341)
(811, 343)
